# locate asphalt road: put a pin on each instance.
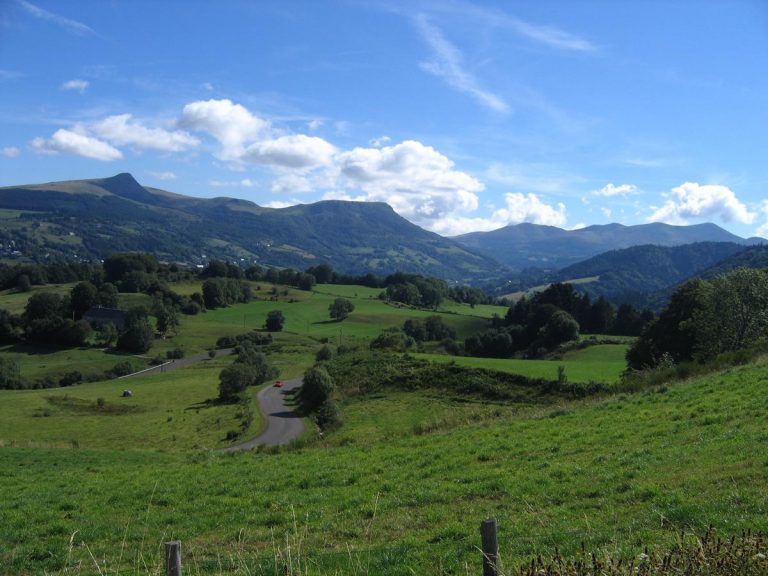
(283, 424)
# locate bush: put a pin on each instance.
(71, 378)
(317, 388)
(233, 380)
(121, 369)
(325, 353)
(175, 354)
(274, 321)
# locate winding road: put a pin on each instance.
(283, 424)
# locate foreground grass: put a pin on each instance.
(617, 473)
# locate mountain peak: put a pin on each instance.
(125, 186)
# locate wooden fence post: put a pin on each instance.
(490, 547)
(173, 558)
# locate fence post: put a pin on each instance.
(173, 558)
(490, 547)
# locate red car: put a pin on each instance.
(279, 383)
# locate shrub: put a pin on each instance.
(325, 353)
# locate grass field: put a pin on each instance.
(617, 474)
(601, 363)
(176, 407)
(93, 483)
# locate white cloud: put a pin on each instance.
(693, 200)
(78, 85)
(163, 175)
(295, 151)
(71, 25)
(380, 141)
(530, 208)
(244, 183)
(447, 63)
(293, 183)
(121, 130)
(77, 143)
(763, 230)
(208, 86)
(416, 180)
(282, 203)
(610, 190)
(519, 208)
(229, 123)
(315, 124)
(606, 211)
(10, 152)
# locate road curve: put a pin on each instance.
(283, 424)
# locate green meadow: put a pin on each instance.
(94, 483)
(617, 473)
(602, 363)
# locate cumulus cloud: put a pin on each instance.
(530, 208)
(419, 182)
(518, 208)
(447, 63)
(77, 85)
(121, 130)
(229, 123)
(282, 203)
(610, 190)
(693, 200)
(293, 183)
(10, 152)
(295, 151)
(76, 142)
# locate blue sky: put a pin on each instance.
(461, 115)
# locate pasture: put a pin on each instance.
(616, 473)
(602, 363)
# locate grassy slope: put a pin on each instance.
(617, 473)
(601, 363)
(173, 406)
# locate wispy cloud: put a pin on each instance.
(67, 23)
(447, 63)
(548, 35)
(78, 85)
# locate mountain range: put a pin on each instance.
(93, 218)
(521, 246)
(90, 219)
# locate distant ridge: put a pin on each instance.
(526, 245)
(90, 219)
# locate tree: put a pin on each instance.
(672, 335)
(167, 319)
(734, 312)
(274, 321)
(261, 369)
(137, 335)
(233, 380)
(340, 308)
(23, 283)
(316, 388)
(83, 297)
(561, 327)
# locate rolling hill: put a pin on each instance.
(90, 219)
(530, 245)
(631, 274)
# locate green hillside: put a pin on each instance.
(630, 274)
(617, 474)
